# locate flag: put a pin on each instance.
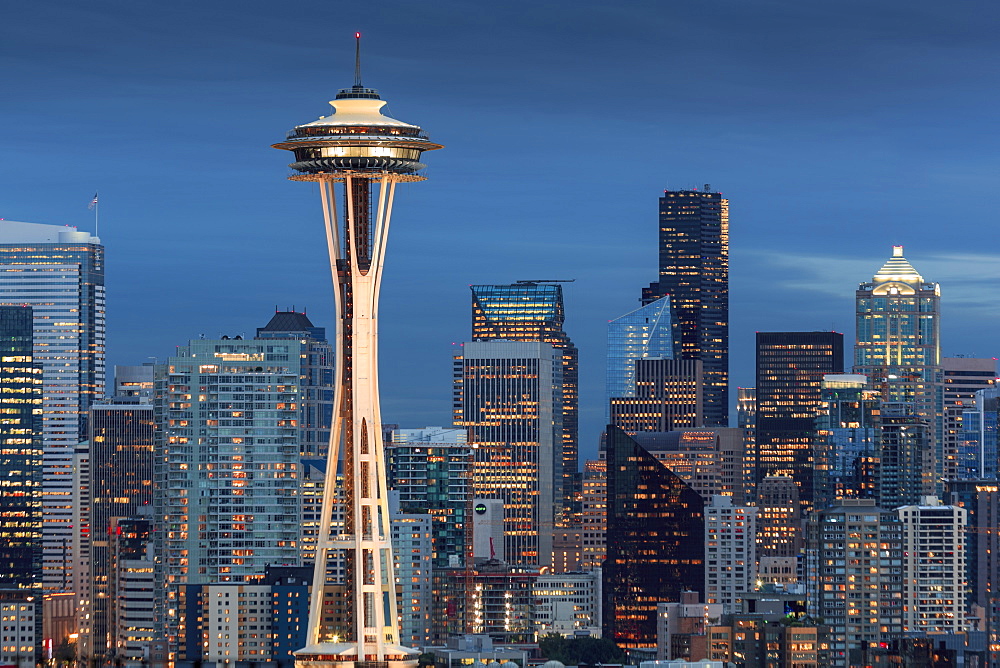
(93, 202)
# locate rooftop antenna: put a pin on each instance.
(357, 60)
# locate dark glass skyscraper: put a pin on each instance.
(655, 541)
(694, 271)
(790, 370)
(534, 311)
(21, 455)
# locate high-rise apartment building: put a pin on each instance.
(594, 523)
(856, 577)
(649, 332)
(431, 470)
(59, 272)
(21, 455)
(694, 272)
(315, 377)
(730, 552)
(906, 461)
(898, 343)
(509, 395)
(790, 369)
(655, 542)
(934, 582)
(227, 463)
(534, 311)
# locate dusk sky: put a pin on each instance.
(835, 129)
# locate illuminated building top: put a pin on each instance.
(897, 269)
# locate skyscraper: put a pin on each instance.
(59, 272)
(508, 394)
(847, 444)
(121, 486)
(645, 333)
(694, 272)
(962, 377)
(668, 396)
(534, 311)
(898, 343)
(316, 377)
(227, 464)
(21, 455)
(369, 153)
(655, 542)
(790, 370)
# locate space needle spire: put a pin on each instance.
(357, 155)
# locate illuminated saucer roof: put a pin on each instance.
(897, 268)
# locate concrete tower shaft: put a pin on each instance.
(357, 155)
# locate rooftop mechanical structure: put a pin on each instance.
(358, 156)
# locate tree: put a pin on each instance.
(580, 651)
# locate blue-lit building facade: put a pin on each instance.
(59, 272)
(977, 453)
(645, 333)
(898, 344)
(847, 443)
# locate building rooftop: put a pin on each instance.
(14, 232)
(897, 268)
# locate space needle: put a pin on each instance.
(358, 156)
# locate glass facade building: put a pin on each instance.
(655, 542)
(847, 443)
(978, 451)
(898, 344)
(431, 469)
(226, 464)
(59, 272)
(21, 454)
(790, 370)
(315, 381)
(534, 311)
(121, 486)
(645, 333)
(508, 394)
(694, 272)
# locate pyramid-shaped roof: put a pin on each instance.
(897, 268)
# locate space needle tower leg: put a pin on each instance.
(358, 156)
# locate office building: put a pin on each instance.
(668, 396)
(649, 332)
(790, 369)
(59, 272)
(431, 469)
(710, 461)
(655, 542)
(315, 377)
(534, 311)
(730, 552)
(963, 377)
(568, 604)
(898, 344)
(978, 452)
(934, 567)
(981, 501)
(856, 577)
(682, 628)
(21, 457)
(694, 272)
(847, 455)
(130, 611)
(121, 486)
(227, 464)
(906, 460)
(594, 523)
(508, 394)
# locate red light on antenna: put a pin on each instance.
(357, 35)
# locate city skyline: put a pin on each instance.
(863, 154)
